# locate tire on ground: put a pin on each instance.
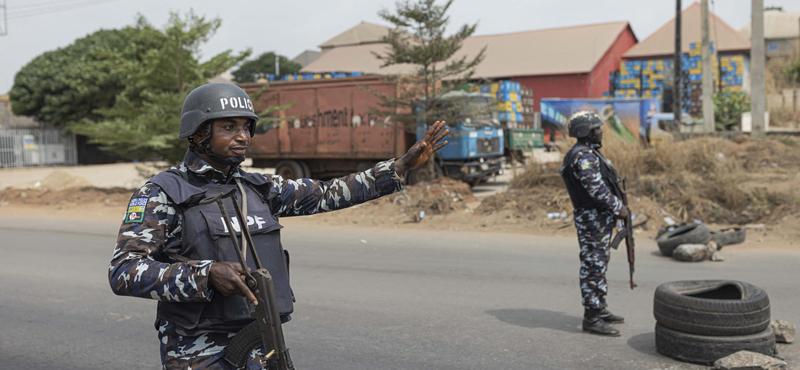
(731, 236)
(712, 307)
(684, 234)
(702, 349)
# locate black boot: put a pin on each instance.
(593, 323)
(610, 318)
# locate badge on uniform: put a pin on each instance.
(585, 164)
(135, 213)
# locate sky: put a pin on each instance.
(289, 27)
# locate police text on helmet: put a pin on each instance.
(236, 102)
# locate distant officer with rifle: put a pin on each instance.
(203, 237)
(598, 202)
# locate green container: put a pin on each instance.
(524, 139)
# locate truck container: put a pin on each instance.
(329, 128)
(325, 128)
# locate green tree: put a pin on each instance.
(418, 39)
(145, 119)
(72, 83)
(252, 70)
(145, 73)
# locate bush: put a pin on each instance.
(728, 109)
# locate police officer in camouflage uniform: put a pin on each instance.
(174, 249)
(588, 175)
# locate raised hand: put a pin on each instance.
(422, 151)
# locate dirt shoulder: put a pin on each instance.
(107, 206)
(751, 183)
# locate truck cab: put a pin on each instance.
(476, 142)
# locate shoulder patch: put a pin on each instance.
(585, 164)
(135, 213)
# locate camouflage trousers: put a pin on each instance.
(200, 352)
(594, 236)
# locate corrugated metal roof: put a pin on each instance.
(361, 33)
(778, 25)
(564, 50)
(662, 41)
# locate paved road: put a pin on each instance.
(368, 299)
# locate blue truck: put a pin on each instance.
(475, 148)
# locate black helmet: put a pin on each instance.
(582, 123)
(213, 101)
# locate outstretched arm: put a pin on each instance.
(308, 196)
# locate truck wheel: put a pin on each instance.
(712, 307)
(306, 169)
(703, 349)
(291, 170)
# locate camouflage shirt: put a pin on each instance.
(152, 225)
(586, 168)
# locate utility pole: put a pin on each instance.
(708, 74)
(4, 9)
(757, 61)
(676, 68)
(277, 65)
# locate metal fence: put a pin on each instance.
(25, 147)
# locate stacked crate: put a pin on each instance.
(514, 103)
(312, 76)
(648, 78)
(732, 68)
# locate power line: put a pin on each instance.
(55, 8)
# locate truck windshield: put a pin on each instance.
(466, 110)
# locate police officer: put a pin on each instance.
(588, 177)
(175, 250)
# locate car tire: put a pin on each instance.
(712, 307)
(705, 350)
(289, 170)
(731, 236)
(684, 234)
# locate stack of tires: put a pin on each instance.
(701, 321)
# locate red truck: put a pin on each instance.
(326, 128)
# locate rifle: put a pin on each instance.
(626, 232)
(266, 330)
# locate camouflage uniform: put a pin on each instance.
(594, 225)
(140, 268)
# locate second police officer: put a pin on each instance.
(588, 176)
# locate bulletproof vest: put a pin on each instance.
(205, 236)
(577, 193)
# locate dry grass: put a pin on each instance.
(713, 179)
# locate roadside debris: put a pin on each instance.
(691, 252)
(784, 331)
(746, 360)
(672, 236)
(730, 236)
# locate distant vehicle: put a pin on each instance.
(329, 128)
(475, 146)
